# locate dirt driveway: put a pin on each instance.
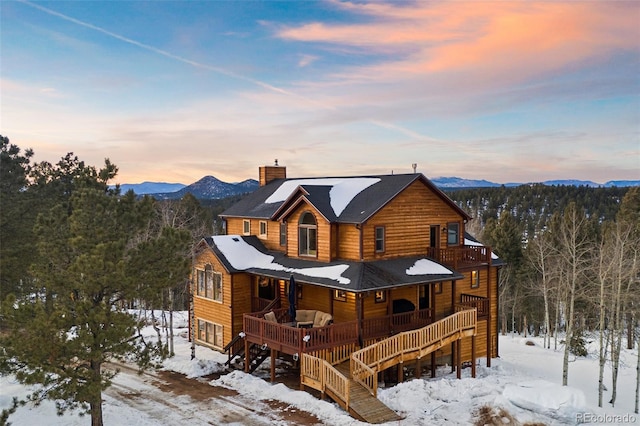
(174, 399)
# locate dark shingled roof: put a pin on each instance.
(363, 276)
(359, 210)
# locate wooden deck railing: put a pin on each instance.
(375, 328)
(263, 305)
(470, 301)
(291, 340)
(408, 345)
(319, 374)
(283, 337)
(461, 255)
(366, 363)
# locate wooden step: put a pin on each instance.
(363, 405)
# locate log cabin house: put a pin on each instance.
(381, 263)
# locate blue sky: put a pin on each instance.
(173, 91)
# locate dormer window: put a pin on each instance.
(308, 232)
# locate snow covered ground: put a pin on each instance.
(523, 386)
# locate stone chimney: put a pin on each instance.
(269, 173)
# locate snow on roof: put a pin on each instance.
(468, 242)
(343, 190)
(427, 267)
(243, 256)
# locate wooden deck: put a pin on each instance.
(353, 385)
(290, 340)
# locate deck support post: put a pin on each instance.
(458, 359)
(473, 356)
(400, 373)
(418, 369)
(273, 364)
(433, 364)
(453, 356)
(247, 356)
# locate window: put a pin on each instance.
(379, 239)
(246, 227)
(475, 279)
(283, 234)
(210, 333)
(209, 284)
(263, 229)
(381, 296)
(340, 295)
(308, 232)
(453, 234)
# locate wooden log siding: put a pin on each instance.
(407, 220)
(217, 312)
(272, 242)
(348, 242)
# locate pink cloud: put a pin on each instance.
(527, 37)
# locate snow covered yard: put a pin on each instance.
(524, 383)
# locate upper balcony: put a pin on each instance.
(461, 256)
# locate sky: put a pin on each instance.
(171, 91)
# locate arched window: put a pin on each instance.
(308, 232)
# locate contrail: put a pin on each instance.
(219, 70)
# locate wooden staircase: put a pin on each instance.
(364, 406)
(352, 379)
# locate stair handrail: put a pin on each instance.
(321, 375)
(374, 355)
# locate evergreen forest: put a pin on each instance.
(76, 253)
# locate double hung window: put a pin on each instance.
(308, 235)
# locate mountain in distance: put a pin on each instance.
(151, 187)
(456, 182)
(210, 188)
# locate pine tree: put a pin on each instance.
(62, 337)
(17, 217)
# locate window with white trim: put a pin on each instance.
(210, 333)
(262, 229)
(246, 227)
(209, 283)
(283, 233)
(379, 239)
(308, 232)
